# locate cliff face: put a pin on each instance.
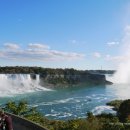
(59, 77)
(72, 79)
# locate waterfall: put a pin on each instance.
(11, 84)
(109, 77)
(38, 78)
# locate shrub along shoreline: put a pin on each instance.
(120, 121)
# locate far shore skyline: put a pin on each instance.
(59, 68)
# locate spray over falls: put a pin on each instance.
(122, 75)
(19, 83)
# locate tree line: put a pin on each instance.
(40, 70)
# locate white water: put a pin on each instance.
(122, 75)
(11, 84)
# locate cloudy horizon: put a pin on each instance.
(68, 34)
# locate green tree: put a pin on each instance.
(17, 108)
(124, 111)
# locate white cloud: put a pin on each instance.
(11, 46)
(97, 54)
(125, 48)
(123, 69)
(42, 54)
(108, 56)
(112, 43)
(73, 41)
(115, 58)
(1, 54)
(126, 14)
(38, 46)
(126, 39)
(127, 29)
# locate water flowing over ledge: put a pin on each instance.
(12, 84)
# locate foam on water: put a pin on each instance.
(11, 84)
(100, 109)
(73, 107)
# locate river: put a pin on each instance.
(70, 103)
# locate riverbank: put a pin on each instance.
(91, 122)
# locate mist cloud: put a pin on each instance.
(123, 70)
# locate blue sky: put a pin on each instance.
(81, 34)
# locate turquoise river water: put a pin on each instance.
(69, 103)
